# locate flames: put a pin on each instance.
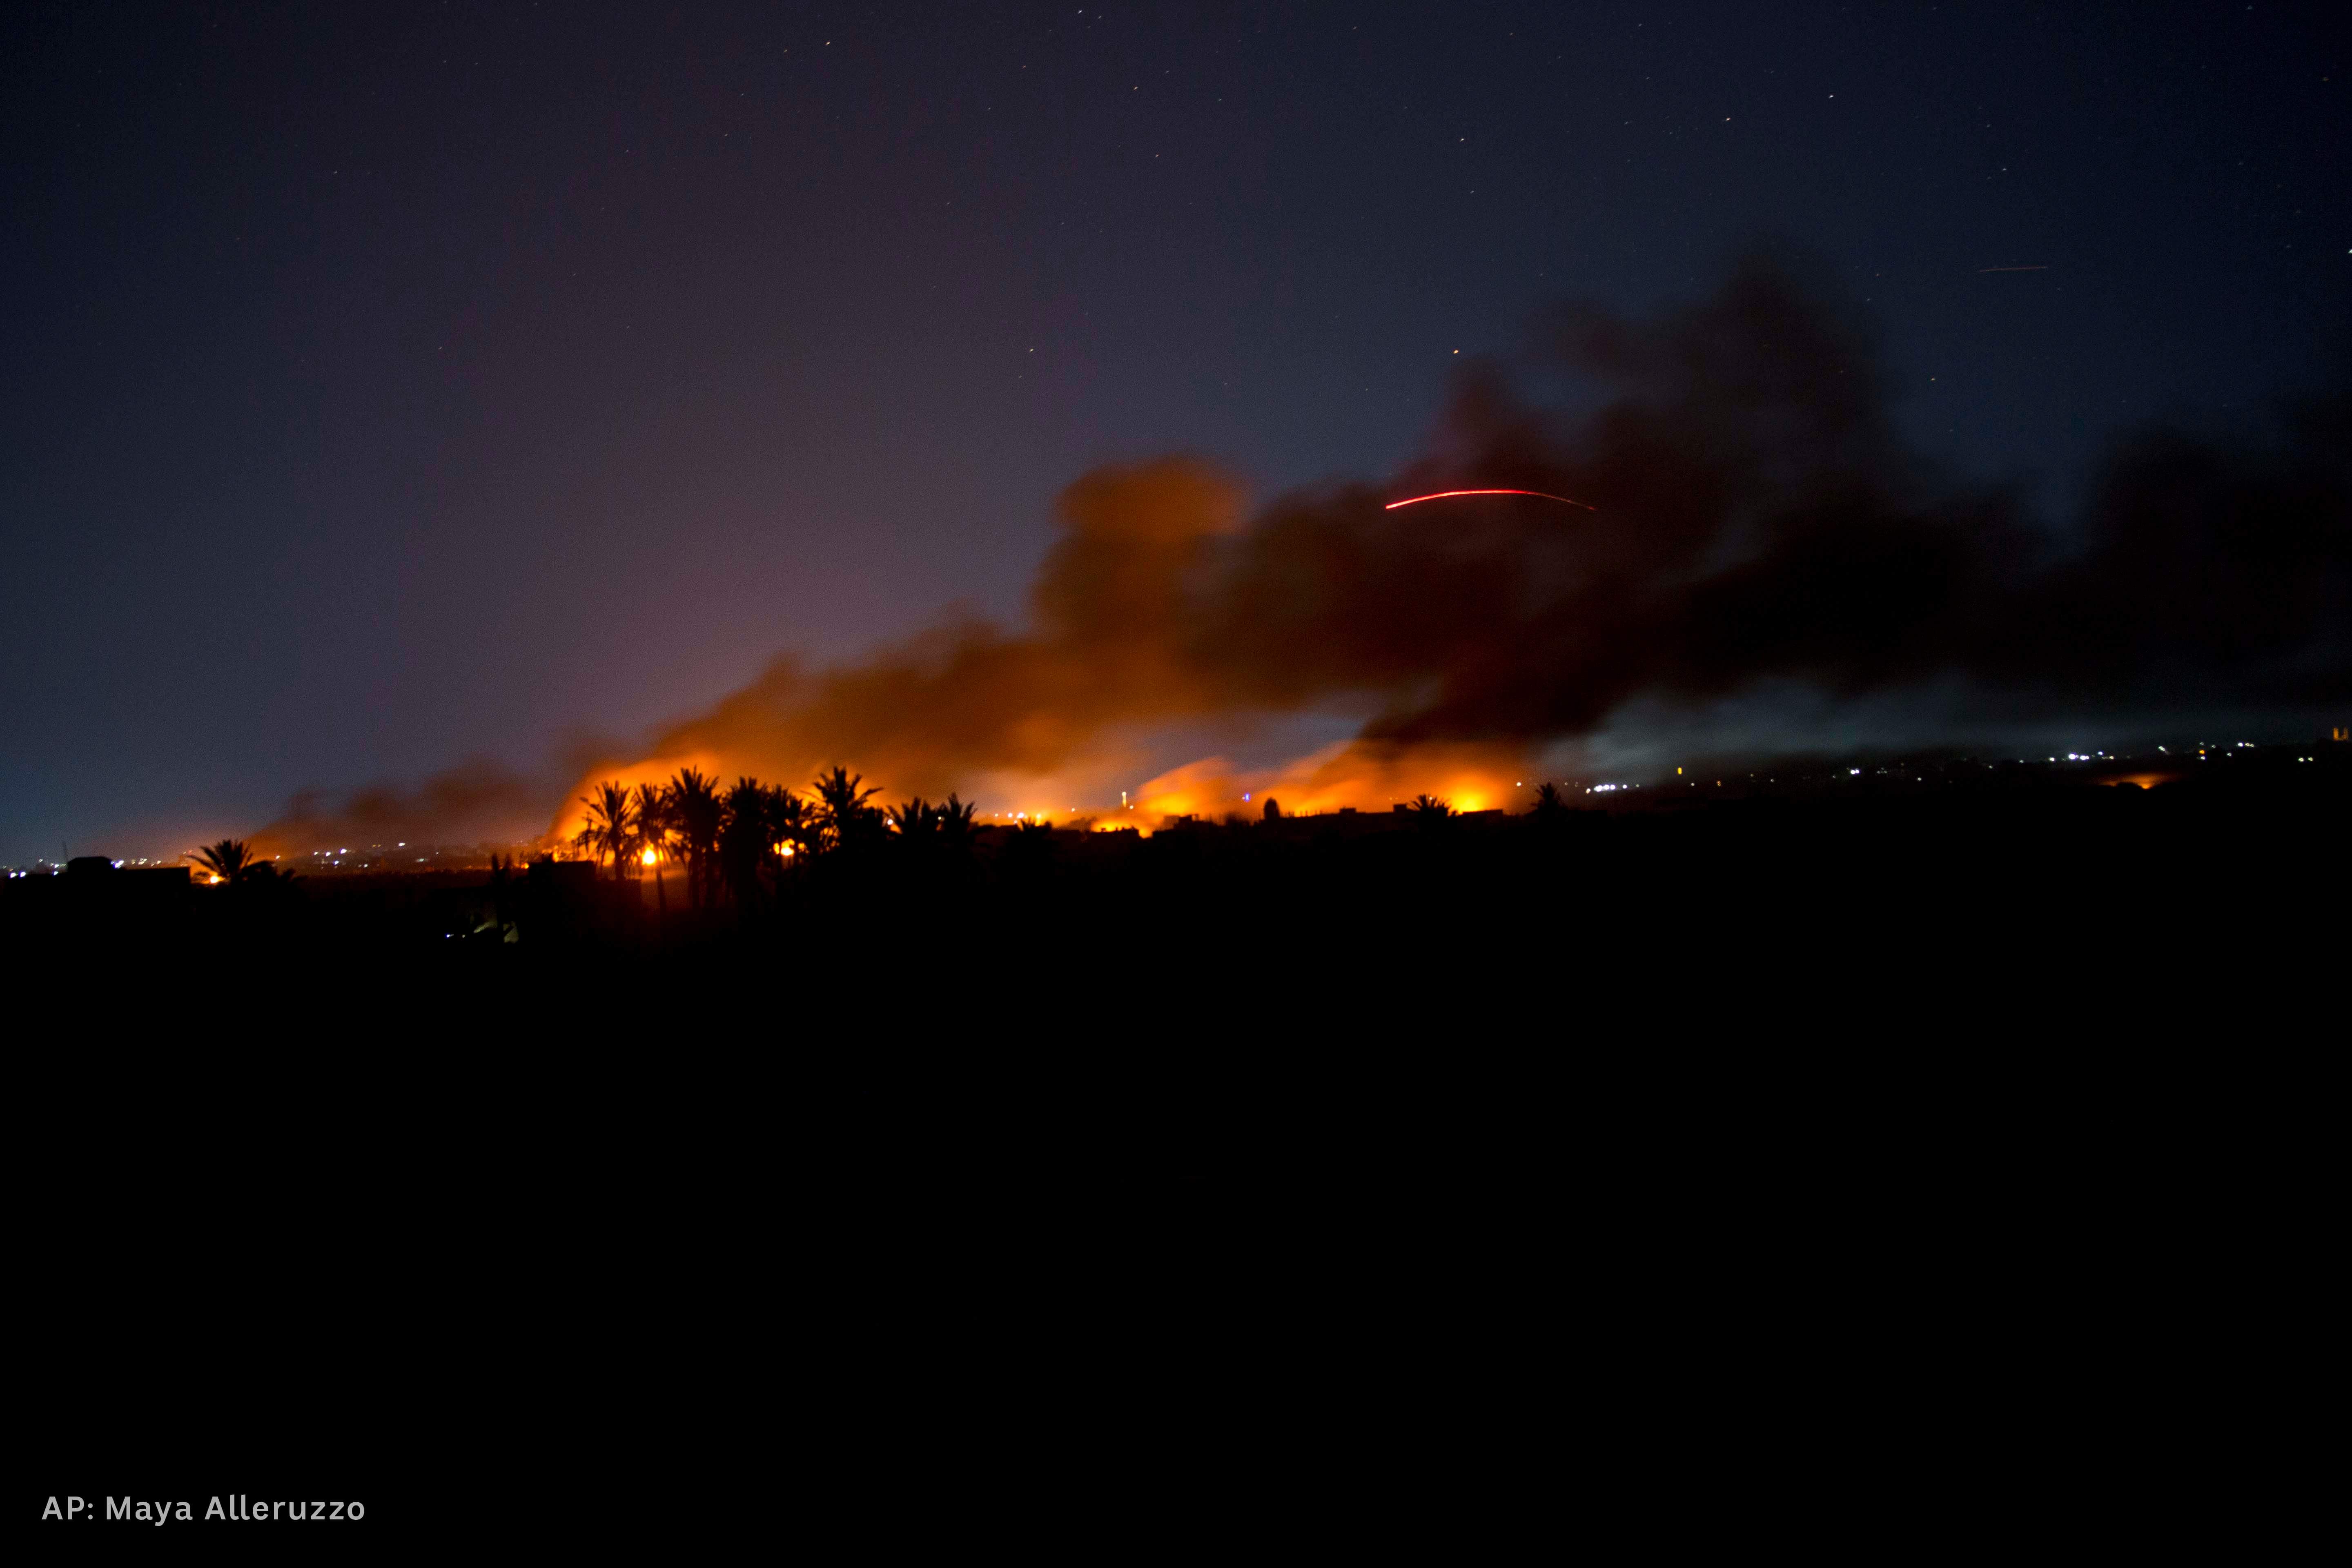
(1347, 776)
(1343, 777)
(1759, 526)
(1145, 624)
(573, 815)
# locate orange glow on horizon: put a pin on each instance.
(655, 770)
(1362, 776)
(1338, 777)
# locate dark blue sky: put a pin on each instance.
(387, 385)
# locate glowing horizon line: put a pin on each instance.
(1441, 494)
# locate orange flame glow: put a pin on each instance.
(1352, 774)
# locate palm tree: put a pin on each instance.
(918, 819)
(760, 830)
(954, 825)
(793, 824)
(841, 813)
(655, 836)
(1429, 808)
(695, 799)
(1548, 804)
(230, 860)
(612, 826)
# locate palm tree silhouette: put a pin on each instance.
(841, 813)
(229, 860)
(656, 838)
(918, 819)
(694, 801)
(1429, 808)
(763, 832)
(792, 825)
(954, 825)
(612, 826)
(1548, 804)
(744, 839)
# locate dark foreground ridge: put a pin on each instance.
(1824, 892)
(1704, 1092)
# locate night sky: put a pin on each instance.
(386, 386)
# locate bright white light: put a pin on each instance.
(1853, 772)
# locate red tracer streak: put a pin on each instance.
(1441, 494)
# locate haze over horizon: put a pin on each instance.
(397, 390)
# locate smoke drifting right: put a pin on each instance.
(1760, 520)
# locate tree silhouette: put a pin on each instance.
(1429, 808)
(696, 814)
(230, 861)
(792, 825)
(843, 817)
(743, 840)
(612, 826)
(1549, 807)
(954, 825)
(762, 833)
(655, 839)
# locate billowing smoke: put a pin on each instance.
(1760, 519)
(1116, 638)
(480, 801)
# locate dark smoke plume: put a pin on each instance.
(1760, 518)
(480, 801)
